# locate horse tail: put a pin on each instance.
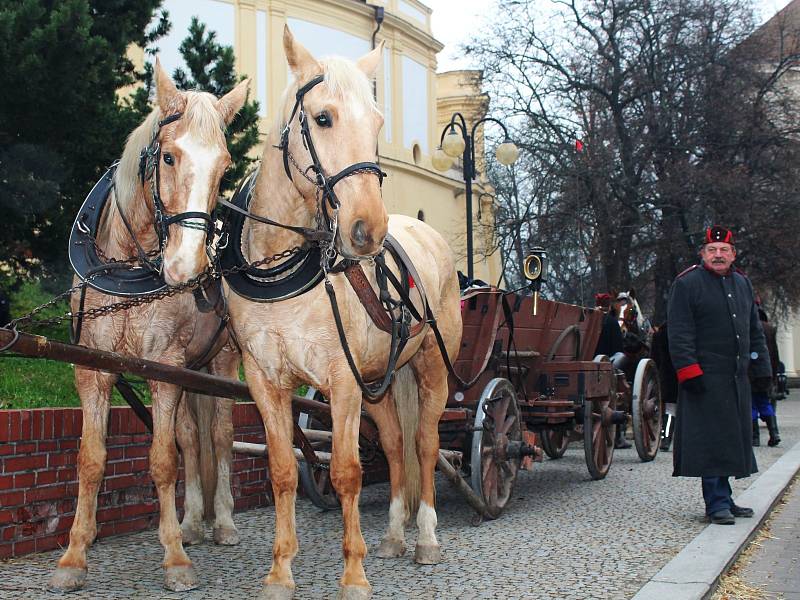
(406, 399)
(202, 408)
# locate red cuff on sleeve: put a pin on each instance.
(689, 372)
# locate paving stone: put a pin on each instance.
(562, 536)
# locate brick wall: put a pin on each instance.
(39, 484)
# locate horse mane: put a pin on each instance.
(199, 115)
(344, 80)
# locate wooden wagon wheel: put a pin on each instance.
(598, 433)
(573, 330)
(647, 409)
(496, 424)
(316, 479)
(555, 442)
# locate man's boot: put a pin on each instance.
(772, 427)
(620, 443)
(756, 437)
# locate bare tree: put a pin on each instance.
(682, 124)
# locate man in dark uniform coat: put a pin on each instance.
(714, 336)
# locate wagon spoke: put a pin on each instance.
(510, 420)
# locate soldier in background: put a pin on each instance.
(611, 345)
(762, 406)
(715, 338)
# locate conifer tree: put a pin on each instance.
(211, 68)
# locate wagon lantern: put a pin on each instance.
(535, 269)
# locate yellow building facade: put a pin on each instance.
(416, 102)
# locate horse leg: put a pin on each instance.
(384, 414)
(94, 389)
(179, 574)
(346, 478)
(431, 376)
(226, 363)
(192, 528)
(274, 404)
(225, 532)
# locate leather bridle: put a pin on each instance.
(323, 182)
(150, 172)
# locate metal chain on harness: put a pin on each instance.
(201, 280)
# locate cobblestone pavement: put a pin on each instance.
(774, 566)
(563, 536)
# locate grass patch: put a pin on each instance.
(37, 382)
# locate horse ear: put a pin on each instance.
(299, 59)
(370, 61)
(166, 92)
(232, 102)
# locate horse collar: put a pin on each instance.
(265, 285)
(115, 278)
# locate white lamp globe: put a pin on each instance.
(453, 144)
(441, 161)
(507, 153)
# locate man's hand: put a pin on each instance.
(761, 385)
(694, 385)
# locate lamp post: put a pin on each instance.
(457, 140)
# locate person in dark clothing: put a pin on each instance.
(610, 341)
(611, 345)
(762, 406)
(715, 335)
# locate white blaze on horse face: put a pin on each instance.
(189, 259)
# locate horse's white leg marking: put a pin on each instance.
(426, 521)
(397, 518)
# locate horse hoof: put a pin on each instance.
(354, 592)
(67, 579)
(390, 548)
(428, 555)
(192, 534)
(274, 591)
(181, 578)
(226, 536)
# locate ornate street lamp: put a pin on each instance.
(457, 141)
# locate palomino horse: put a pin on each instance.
(185, 145)
(328, 130)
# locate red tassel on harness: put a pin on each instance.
(411, 283)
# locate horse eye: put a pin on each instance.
(169, 159)
(323, 119)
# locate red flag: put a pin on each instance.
(578, 145)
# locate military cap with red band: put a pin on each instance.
(717, 234)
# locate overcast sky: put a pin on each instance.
(454, 27)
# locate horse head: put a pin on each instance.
(330, 134)
(178, 157)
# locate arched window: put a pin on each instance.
(420, 215)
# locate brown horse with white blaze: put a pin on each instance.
(186, 134)
(293, 341)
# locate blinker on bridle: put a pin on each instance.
(324, 184)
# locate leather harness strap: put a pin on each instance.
(369, 300)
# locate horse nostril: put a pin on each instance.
(359, 233)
